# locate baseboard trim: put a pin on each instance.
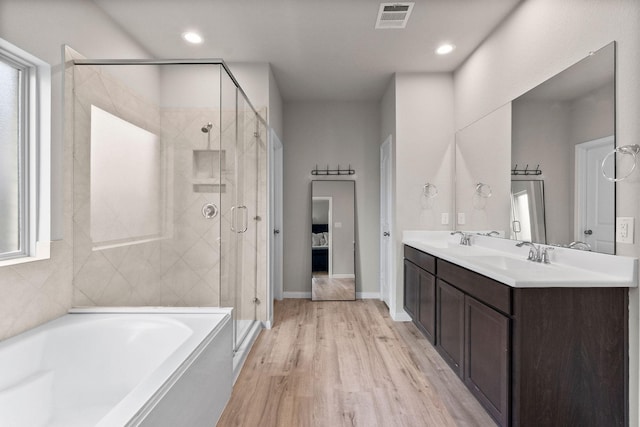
(296, 295)
(400, 316)
(367, 295)
(343, 276)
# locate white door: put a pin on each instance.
(275, 216)
(386, 241)
(595, 201)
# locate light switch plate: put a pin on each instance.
(461, 218)
(624, 230)
(444, 218)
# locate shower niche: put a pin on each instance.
(208, 168)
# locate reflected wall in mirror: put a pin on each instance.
(483, 155)
(565, 127)
(333, 240)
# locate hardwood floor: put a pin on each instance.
(340, 363)
(324, 288)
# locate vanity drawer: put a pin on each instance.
(421, 259)
(492, 293)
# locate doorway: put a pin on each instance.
(595, 196)
(386, 220)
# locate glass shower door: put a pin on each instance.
(239, 216)
(247, 217)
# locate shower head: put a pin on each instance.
(207, 127)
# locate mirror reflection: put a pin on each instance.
(527, 211)
(558, 133)
(333, 240)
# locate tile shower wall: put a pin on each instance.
(120, 275)
(191, 258)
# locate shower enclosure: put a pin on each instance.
(169, 187)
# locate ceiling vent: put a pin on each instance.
(393, 15)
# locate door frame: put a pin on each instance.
(386, 204)
(275, 239)
(330, 230)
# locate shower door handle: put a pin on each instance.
(246, 218)
(233, 219)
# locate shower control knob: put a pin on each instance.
(209, 210)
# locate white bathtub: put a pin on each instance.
(119, 367)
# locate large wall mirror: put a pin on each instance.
(333, 241)
(532, 170)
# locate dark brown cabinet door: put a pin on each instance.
(450, 325)
(427, 305)
(487, 355)
(411, 288)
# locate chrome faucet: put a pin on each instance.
(545, 255)
(534, 251)
(537, 253)
(465, 239)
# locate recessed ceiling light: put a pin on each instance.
(443, 49)
(192, 37)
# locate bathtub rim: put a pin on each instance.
(130, 411)
(128, 414)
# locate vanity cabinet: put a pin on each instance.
(450, 325)
(533, 357)
(474, 334)
(487, 357)
(420, 290)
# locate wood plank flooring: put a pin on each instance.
(324, 288)
(335, 363)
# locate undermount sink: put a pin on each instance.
(458, 249)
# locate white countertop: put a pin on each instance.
(501, 260)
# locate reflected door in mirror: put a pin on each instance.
(333, 240)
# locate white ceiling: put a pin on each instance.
(318, 49)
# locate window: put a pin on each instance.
(24, 156)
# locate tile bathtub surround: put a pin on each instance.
(36, 292)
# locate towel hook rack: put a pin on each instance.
(327, 171)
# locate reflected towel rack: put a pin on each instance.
(328, 171)
(526, 171)
(631, 150)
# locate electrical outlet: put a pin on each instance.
(461, 218)
(624, 230)
(444, 218)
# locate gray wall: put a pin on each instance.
(330, 133)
